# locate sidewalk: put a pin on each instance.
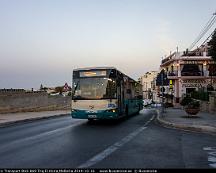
(178, 118)
(12, 118)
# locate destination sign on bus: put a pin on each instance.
(93, 73)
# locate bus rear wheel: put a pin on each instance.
(126, 111)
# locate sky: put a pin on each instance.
(42, 41)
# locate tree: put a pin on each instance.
(59, 89)
(41, 87)
(212, 46)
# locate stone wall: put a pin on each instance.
(212, 102)
(32, 101)
(204, 106)
(209, 106)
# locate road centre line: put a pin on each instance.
(111, 149)
(102, 155)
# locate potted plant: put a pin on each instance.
(191, 106)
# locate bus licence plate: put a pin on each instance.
(92, 116)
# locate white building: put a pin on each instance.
(187, 72)
(148, 85)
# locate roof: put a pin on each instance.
(101, 68)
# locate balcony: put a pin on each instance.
(212, 74)
(172, 75)
(212, 70)
(192, 73)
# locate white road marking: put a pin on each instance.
(213, 165)
(209, 148)
(212, 159)
(97, 158)
(211, 156)
(149, 120)
(111, 149)
(152, 118)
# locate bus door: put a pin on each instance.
(120, 91)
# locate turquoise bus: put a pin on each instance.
(104, 93)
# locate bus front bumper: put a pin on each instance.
(99, 114)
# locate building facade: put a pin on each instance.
(148, 85)
(187, 72)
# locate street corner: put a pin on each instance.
(160, 119)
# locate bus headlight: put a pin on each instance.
(73, 110)
(112, 110)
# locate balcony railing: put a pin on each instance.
(212, 74)
(172, 73)
(191, 73)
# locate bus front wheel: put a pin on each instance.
(90, 119)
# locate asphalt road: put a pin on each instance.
(136, 142)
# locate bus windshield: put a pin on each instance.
(94, 88)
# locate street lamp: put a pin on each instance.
(162, 89)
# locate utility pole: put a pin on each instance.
(162, 84)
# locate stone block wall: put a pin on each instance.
(209, 106)
(32, 101)
(204, 106)
(212, 101)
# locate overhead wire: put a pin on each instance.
(208, 25)
(204, 30)
(207, 38)
(209, 21)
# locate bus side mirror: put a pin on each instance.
(128, 91)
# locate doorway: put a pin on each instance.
(190, 90)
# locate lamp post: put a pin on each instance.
(162, 90)
(162, 84)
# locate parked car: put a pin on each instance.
(156, 105)
(147, 102)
